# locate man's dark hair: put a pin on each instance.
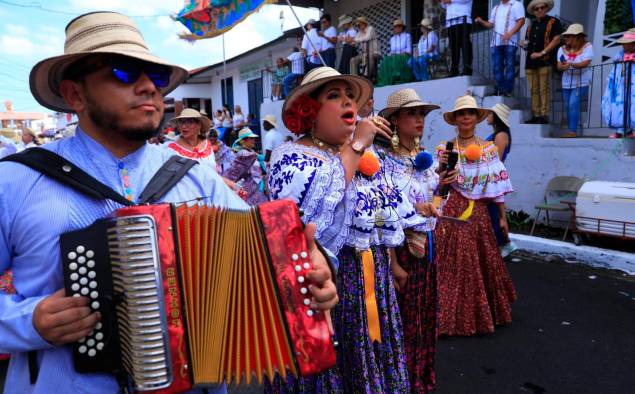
(327, 17)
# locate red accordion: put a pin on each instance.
(196, 296)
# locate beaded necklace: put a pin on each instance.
(478, 168)
(125, 179)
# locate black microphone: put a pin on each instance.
(443, 190)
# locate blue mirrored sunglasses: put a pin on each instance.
(128, 71)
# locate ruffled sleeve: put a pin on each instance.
(315, 180)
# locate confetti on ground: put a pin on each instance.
(516, 260)
(566, 323)
(625, 294)
(592, 277)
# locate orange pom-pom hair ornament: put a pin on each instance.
(473, 152)
(368, 164)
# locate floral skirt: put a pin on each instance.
(474, 288)
(418, 305)
(362, 366)
(394, 69)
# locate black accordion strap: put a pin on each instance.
(62, 170)
(168, 175)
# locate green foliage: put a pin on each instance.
(517, 218)
(618, 17)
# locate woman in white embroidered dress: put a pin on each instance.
(474, 288)
(357, 219)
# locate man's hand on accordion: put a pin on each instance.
(61, 320)
(323, 288)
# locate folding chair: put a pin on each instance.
(568, 185)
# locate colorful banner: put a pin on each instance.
(210, 18)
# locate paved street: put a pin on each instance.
(570, 334)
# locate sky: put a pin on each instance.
(30, 34)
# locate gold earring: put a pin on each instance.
(394, 140)
(417, 141)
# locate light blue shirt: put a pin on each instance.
(34, 211)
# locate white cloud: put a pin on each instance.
(127, 7)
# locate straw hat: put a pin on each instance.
(398, 22)
(427, 23)
(628, 37)
(405, 98)
(574, 30)
(502, 111)
(311, 22)
(465, 102)
(189, 113)
(242, 134)
(89, 34)
(362, 87)
(271, 120)
(344, 19)
(361, 19)
(534, 3)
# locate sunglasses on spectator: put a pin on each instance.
(127, 70)
(540, 7)
(187, 121)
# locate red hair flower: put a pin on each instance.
(300, 115)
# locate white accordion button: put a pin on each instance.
(72, 266)
(83, 281)
(80, 249)
(303, 290)
(307, 302)
(304, 255)
(82, 340)
(298, 268)
(95, 305)
(92, 284)
(99, 336)
(76, 295)
(90, 342)
(91, 264)
(74, 277)
(72, 256)
(75, 287)
(82, 349)
(307, 266)
(294, 257)
(309, 313)
(90, 254)
(301, 279)
(84, 291)
(100, 345)
(92, 353)
(92, 274)
(94, 294)
(98, 326)
(82, 270)
(81, 259)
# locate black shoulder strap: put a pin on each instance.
(168, 175)
(62, 170)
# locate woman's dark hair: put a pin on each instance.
(499, 126)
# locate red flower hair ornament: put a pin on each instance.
(300, 115)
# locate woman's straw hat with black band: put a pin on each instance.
(89, 34)
(190, 113)
(405, 98)
(318, 77)
(534, 3)
(502, 111)
(465, 102)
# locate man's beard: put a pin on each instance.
(110, 121)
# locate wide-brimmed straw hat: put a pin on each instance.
(343, 20)
(398, 22)
(362, 87)
(427, 23)
(628, 37)
(465, 102)
(534, 3)
(574, 30)
(502, 111)
(271, 120)
(190, 113)
(244, 133)
(89, 34)
(405, 98)
(361, 19)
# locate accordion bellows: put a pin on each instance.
(197, 296)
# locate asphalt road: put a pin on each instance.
(573, 332)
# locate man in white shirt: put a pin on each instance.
(427, 50)
(328, 34)
(312, 45)
(458, 20)
(347, 38)
(28, 139)
(297, 70)
(507, 18)
(273, 137)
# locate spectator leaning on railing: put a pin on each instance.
(277, 77)
(427, 50)
(394, 67)
(365, 63)
(347, 39)
(297, 70)
(458, 21)
(312, 45)
(574, 59)
(328, 36)
(541, 42)
(617, 98)
(507, 18)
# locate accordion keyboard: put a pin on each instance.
(142, 324)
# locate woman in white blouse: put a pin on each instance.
(427, 50)
(367, 50)
(394, 68)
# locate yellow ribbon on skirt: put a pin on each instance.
(372, 313)
(468, 211)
